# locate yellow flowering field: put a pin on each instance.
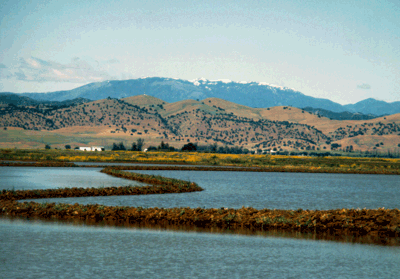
(335, 164)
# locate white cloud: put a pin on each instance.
(78, 71)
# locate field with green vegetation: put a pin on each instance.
(261, 162)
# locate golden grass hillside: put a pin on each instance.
(206, 122)
(144, 100)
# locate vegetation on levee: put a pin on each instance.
(256, 169)
(266, 162)
(161, 185)
(379, 226)
(153, 179)
(36, 164)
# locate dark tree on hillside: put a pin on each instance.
(335, 146)
(47, 146)
(68, 146)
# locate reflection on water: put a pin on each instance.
(46, 250)
(163, 226)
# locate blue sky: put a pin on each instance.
(345, 51)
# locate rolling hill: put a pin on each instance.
(206, 122)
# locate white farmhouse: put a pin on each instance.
(271, 151)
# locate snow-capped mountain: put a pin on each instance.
(253, 94)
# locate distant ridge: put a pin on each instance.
(18, 100)
(372, 106)
(340, 115)
(252, 94)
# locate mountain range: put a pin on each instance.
(252, 94)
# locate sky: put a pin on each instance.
(345, 51)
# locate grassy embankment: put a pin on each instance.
(160, 185)
(265, 162)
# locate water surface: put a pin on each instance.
(34, 249)
(26, 178)
(267, 190)
(38, 249)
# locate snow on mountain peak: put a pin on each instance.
(199, 81)
(223, 80)
(273, 85)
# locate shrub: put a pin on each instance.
(189, 147)
(119, 146)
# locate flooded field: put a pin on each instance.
(258, 190)
(33, 248)
(27, 178)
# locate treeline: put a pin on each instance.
(136, 146)
(214, 148)
(162, 147)
(370, 154)
(305, 153)
(191, 147)
(380, 154)
(195, 147)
